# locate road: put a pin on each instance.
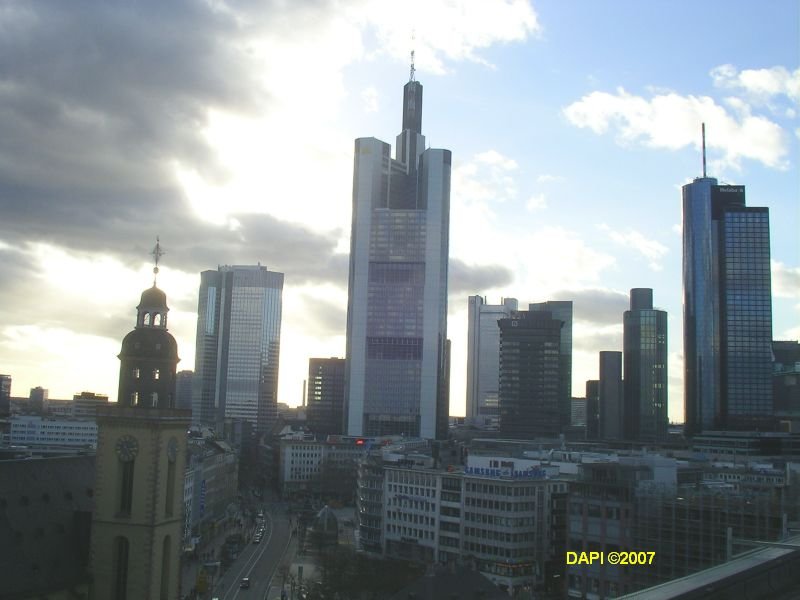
(259, 562)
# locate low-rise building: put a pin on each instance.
(35, 430)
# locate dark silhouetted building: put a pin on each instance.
(397, 293)
(645, 361)
(727, 309)
(530, 380)
(562, 310)
(183, 389)
(37, 401)
(610, 396)
(593, 409)
(5, 395)
(238, 346)
(786, 382)
(325, 405)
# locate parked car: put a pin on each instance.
(245, 583)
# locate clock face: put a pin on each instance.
(172, 449)
(127, 447)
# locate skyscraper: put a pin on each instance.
(325, 406)
(483, 358)
(530, 383)
(562, 310)
(5, 395)
(645, 362)
(397, 294)
(610, 395)
(727, 307)
(238, 346)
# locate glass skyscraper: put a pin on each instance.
(396, 374)
(483, 358)
(727, 307)
(645, 361)
(238, 346)
(562, 310)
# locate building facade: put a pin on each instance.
(483, 359)
(644, 354)
(325, 404)
(727, 309)
(610, 396)
(137, 524)
(84, 405)
(397, 293)
(238, 346)
(35, 430)
(183, 389)
(530, 380)
(5, 395)
(561, 310)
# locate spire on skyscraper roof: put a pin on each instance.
(413, 69)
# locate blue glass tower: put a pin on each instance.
(727, 309)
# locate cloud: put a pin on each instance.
(652, 250)
(369, 96)
(671, 121)
(476, 279)
(595, 305)
(591, 339)
(545, 178)
(785, 280)
(760, 85)
(536, 202)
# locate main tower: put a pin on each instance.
(396, 378)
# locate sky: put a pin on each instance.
(227, 129)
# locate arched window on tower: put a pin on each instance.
(135, 399)
(120, 567)
(154, 399)
(157, 320)
(146, 321)
(126, 486)
(156, 374)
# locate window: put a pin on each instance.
(156, 374)
(120, 566)
(126, 487)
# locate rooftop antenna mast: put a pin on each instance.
(413, 70)
(703, 129)
(157, 254)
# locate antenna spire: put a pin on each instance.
(703, 129)
(157, 254)
(413, 69)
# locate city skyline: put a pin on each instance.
(572, 130)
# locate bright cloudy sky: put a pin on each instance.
(227, 129)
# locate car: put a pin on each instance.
(256, 540)
(245, 583)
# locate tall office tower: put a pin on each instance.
(593, 409)
(529, 375)
(238, 346)
(5, 395)
(397, 294)
(483, 358)
(786, 381)
(183, 389)
(562, 310)
(325, 404)
(727, 309)
(610, 396)
(645, 360)
(137, 524)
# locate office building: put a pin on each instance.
(38, 430)
(483, 359)
(561, 310)
(5, 395)
(786, 382)
(645, 366)
(84, 405)
(727, 309)
(238, 346)
(325, 404)
(530, 382)
(397, 294)
(593, 409)
(137, 524)
(37, 401)
(578, 417)
(184, 380)
(610, 396)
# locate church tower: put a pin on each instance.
(141, 454)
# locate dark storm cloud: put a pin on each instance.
(475, 279)
(604, 307)
(99, 101)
